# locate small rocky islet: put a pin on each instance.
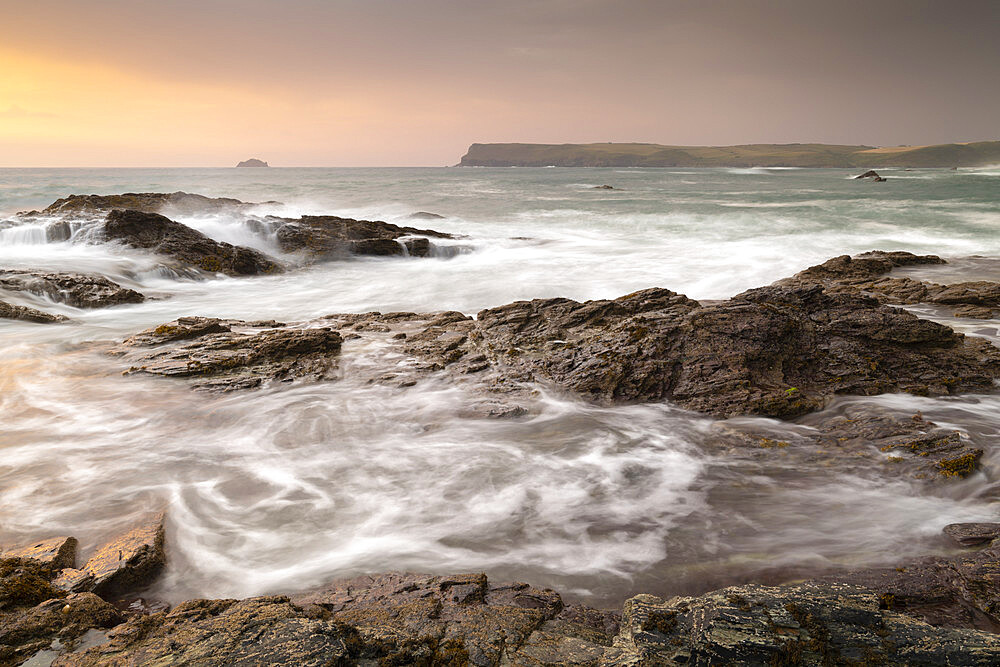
(782, 351)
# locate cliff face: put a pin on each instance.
(750, 155)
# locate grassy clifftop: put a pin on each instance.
(749, 155)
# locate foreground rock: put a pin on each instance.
(73, 289)
(972, 534)
(226, 355)
(326, 236)
(806, 624)
(36, 617)
(9, 311)
(156, 233)
(127, 563)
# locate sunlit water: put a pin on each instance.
(284, 488)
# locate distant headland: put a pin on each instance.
(974, 154)
(253, 162)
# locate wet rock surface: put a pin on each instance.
(325, 236)
(159, 234)
(804, 624)
(74, 289)
(463, 619)
(227, 355)
(9, 311)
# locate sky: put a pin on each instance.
(414, 82)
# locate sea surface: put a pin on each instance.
(285, 488)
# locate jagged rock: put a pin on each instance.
(865, 273)
(147, 202)
(257, 631)
(74, 289)
(872, 174)
(253, 162)
(11, 312)
(34, 615)
(162, 235)
(226, 355)
(972, 534)
(779, 351)
(424, 619)
(957, 592)
(324, 236)
(808, 624)
(127, 563)
(55, 552)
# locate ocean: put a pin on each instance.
(285, 488)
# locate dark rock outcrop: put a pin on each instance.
(325, 236)
(9, 311)
(226, 355)
(74, 289)
(156, 233)
(871, 174)
(253, 162)
(866, 274)
(777, 351)
(147, 202)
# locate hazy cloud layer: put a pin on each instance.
(389, 82)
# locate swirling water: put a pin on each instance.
(286, 487)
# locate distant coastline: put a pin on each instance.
(974, 154)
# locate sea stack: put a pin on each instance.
(253, 162)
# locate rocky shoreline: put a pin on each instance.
(927, 612)
(782, 351)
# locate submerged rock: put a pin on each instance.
(9, 311)
(226, 355)
(425, 215)
(74, 289)
(972, 534)
(162, 235)
(326, 236)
